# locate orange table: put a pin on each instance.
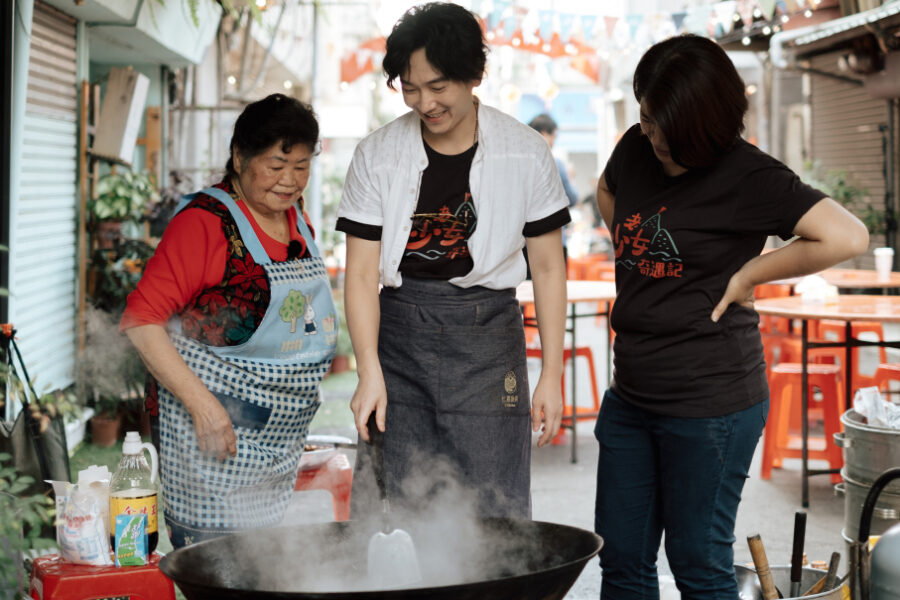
(576, 291)
(848, 308)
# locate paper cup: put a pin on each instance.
(884, 262)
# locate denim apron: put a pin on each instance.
(458, 412)
(270, 387)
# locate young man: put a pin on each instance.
(437, 206)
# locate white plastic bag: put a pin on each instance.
(869, 403)
(82, 525)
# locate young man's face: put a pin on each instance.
(445, 106)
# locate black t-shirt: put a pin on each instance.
(444, 220)
(678, 240)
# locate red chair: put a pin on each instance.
(781, 439)
(334, 476)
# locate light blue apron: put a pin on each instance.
(270, 387)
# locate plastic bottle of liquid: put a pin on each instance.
(134, 487)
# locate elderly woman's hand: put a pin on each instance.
(215, 434)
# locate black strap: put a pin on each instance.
(9, 343)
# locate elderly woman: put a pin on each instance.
(235, 322)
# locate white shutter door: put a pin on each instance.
(845, 134)
(43, 248)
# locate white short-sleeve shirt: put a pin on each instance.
(513, 181)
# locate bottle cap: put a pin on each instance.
(132, 443)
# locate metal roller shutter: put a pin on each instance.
(845, 132)
(43, 249)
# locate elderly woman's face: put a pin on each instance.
(273, 180)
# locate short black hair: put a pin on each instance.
(451, 35)
(695, 95)
(543, 123)
(264, 123)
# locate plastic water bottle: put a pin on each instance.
(134, 487)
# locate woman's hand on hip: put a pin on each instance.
(215, 433)
(546, 408)
(370, 395)
(739, 291)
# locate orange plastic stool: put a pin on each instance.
(780, 440)
(885, 374)
(52, 578)
(834, 331)
(334, 476)
(582, 413)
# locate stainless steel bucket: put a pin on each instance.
(885, 514)
(868, 451)
(749, 589)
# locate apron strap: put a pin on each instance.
(303, 228)
(251, 241)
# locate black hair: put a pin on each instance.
(694, 94)
(264, 123)
(543, 123)
(451, 35)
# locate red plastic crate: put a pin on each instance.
(52, 578)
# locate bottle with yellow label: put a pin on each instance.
(134, 487)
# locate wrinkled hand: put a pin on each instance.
(739, 291)
(546, 408)
(215, 434)
(370, 395)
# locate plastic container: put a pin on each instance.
(134, 487)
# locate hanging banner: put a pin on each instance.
(566, 22)
(768, 8)
(588, 24)
(545, 17)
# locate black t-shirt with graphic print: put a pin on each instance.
(678, 240)
(444, 219)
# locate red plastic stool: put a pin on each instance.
(582, 413)
(334, 476)
(780, 440)
(52, 578)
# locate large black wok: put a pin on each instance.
(492, 558)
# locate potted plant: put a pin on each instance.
(841, 188)
(119, 197)
(17, 512)
(110, 373)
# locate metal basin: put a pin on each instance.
(749, 589)
(491, 558)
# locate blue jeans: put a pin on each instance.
(683, 476)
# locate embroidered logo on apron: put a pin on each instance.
(510, 385)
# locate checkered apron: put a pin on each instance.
(270, 387)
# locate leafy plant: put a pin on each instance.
(123, 196)
(117, 272)
(21, 518)
(841, 188)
